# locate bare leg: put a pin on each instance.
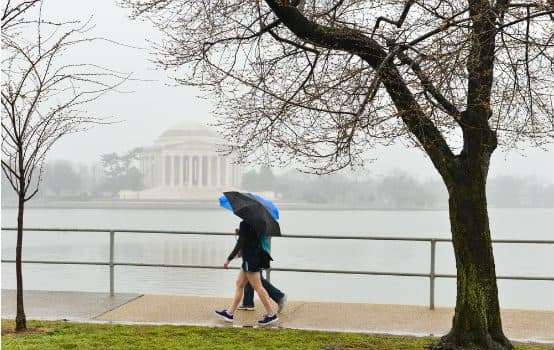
(256, 283)
(239, 291)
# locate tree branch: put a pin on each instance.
(428, 86)
(357, 43)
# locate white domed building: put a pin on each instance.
(183, 164)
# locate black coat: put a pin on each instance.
(249, 245)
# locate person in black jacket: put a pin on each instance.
(254, 260)
(248, 299)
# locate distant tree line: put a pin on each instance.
(63, 179)
(395, 190)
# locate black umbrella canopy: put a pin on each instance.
(248, 208)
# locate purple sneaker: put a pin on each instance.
(224, 315)
(267, 320)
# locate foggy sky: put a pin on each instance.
(157, 104)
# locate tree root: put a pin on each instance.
(458, 342)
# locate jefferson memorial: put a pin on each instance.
(183, 164)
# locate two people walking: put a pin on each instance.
(259, 221)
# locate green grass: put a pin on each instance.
(83, 336)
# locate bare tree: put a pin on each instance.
(43, 99)
(15, 11)
(320, 82)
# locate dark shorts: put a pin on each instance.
(255, 262)
(249, 267)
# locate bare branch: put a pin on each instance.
(43, 96)
(15, 10)
(445, 68)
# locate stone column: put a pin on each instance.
(158, 169)
(171, 173)
(177, 170)
(222, 171)
(171, 170)
(151, 170)
(188, 169)
(186, 163)
(162, 166)
(199, 184)
(208, 170)
(213, 162)
(194, 170)
(182, 180)
(204, 166)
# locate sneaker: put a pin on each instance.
(224, 315)
(267, 320)
(281, 304)
(246, 308)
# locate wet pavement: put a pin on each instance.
(72, 306)
(519, 325)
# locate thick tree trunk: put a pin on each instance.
(476, 323)
(20, 320)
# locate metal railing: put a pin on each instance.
(432, 275)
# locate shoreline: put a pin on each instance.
(208, 205)
(190, 205)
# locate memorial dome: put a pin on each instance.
(184, 162)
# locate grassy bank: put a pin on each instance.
(83, 336)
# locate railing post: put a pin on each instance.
(112, 237)
(432, 276)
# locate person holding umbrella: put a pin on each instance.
(274, 293)
(257, 222)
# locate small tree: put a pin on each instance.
(43, 99)
(121, 172)
(60, 176)
(321, 82)
(113, 170)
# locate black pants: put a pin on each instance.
(274, 293)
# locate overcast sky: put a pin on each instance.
(157, 104)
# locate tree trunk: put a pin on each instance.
(476, 323)
(20, 320)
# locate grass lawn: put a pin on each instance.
(82, 336)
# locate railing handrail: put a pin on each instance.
(432, 275)
(282, 269)
(304, 236)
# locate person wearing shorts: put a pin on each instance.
(254, 260)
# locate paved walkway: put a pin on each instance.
(521, 325)
(71, 306)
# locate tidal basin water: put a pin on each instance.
(525, 259)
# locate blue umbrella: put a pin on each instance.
(269, 205)
(258, 211)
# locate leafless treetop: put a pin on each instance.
(14, 12)
(44, 91)
(321, 102)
